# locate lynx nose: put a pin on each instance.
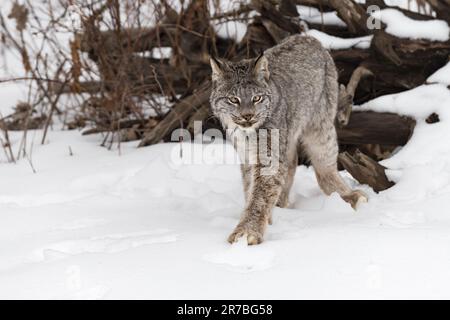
(247, 116)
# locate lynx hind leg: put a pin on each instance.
(355, 198)
(322, 148)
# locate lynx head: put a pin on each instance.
(241, 97)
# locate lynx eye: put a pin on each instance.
(234, 100)
(256, 99)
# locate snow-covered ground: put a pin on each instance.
(93, 224)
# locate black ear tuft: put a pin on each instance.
(261, 67)
(216, 67)
(260, 55)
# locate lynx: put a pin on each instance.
(292, 88)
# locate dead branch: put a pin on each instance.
(346, 95)
(178, 114)
(365, 170)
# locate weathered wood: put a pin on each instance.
(136, 40)
(125, 124)
(350, 55)
(332, 30)
(275, 32)
(365, 170)
(346, 95)
(364, 127)
(406, 52)
(178, 114)
(323, 5)
(394, 65)
(406, 77)
(377, 128)
(199, 115)
(142, 75)
(268, 11)
(353, 14)
(387, 78)
(442, 8)
(255, 40)
(288, 8)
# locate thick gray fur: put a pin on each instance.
(292, 87)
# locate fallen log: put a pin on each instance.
(268, 11)
(179, 113)
(365, 170)
(323, 5)
(288, 8)
(353, 55)
(255, 40)
(387, 78)
(398, 68)
(363, 128)
(353, 14)
(332, 30)
(368, 127)
(407, 52)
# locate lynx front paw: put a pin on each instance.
(253, 232)
(355, 198)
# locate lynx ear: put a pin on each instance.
(216, 67)
(261, 67)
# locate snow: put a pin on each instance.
(441, 76)
(9, 96)
(93, 224)
(336, 43)
(157, 53)
(144, 224)
(419, 178)
(313, 15)
(231, 29)
(404, 27)
(415, 6)
(10, 92)
(424, 163)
